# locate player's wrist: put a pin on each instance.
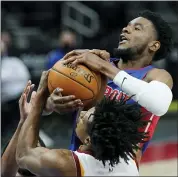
(48, 108)
(109, 70)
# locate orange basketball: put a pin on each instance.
(87, 85)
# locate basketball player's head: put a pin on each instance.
(147, 35)
(110, 130)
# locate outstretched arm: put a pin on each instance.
(9, 165)
(38, 160)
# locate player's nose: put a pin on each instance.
(126, 29)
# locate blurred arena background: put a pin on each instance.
(31, 30)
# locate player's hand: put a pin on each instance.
(43, 85)
(62, 104)
(74, 53)
(101, 53)
(89, 59)
(25, 106)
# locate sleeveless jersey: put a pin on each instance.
(111, 90)
(87, 165)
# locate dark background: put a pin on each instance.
(35, 26)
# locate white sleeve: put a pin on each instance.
(155, 96)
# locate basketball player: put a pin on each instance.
(145, 39)
(109, 135)
(9, 165)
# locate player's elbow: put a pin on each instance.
(20, 161)
(21, 156)
(156, 98)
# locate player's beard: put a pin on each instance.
(129, 53)
(124, 54)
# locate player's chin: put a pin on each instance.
(123, 46)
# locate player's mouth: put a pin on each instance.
(123, 39)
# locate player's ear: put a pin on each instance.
(154, 46)
(87, 141)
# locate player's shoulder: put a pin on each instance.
(64, 153)
(61, 159)
(157, 72)
(160, 75)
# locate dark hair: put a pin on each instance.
(164, 33)
(114, 130)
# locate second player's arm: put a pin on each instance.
(9, 165)
(38, 160)
(154, 93)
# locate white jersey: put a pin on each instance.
(87, 165)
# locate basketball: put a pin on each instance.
(87, 85)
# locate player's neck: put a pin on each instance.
(134, 64)
(84, 148)
(138, 62)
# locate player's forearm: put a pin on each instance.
(109, 70)
(29, 134)
(9, 165)
(155, 96)
(149, 95)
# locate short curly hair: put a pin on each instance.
(164, 33)
(114, 130)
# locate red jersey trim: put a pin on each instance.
(77, 163)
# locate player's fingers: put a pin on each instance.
(28, 90)
(24, 97)
(33, 96)
(58, 91)
(69, 60)
(44, 75)
(78, 60)
(95, 51)
(28, 84)
(105, 55)
(72, 105)
(64, 99)
(101, 53)
(25, 89)
(75, 52)
(75, 103)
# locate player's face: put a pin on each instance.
(136, 36)
(82, 122)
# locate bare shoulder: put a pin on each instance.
(159, 75)
(63, 160)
